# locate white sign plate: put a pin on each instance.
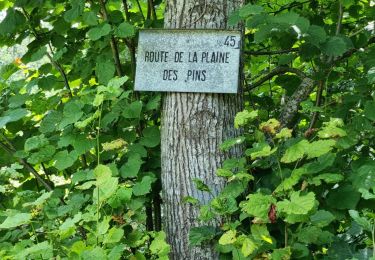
(188, 61)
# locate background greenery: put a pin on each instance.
(80, 157)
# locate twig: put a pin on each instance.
(153, 11)
(114, 47)
(126, 9)
(318, 103)
(27, 166)
(274, 72)
(289, 6)
(258, 53)
(140, 10)
(57, 66)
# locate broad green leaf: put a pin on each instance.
(320, 147)
(260, 232)
(72, 113)
(114, 235)
(15, 220)
(11, 22)
(281, 253)
(343, 197)
(284, 133)
(295, 152)
(125, 30)
(151, 136)
(228, 238)
(35, 142)
(159, 246)
(42, 250)
(90, 18)
(335, 46)
(331, 129)
(370, 110)
(200, 185)
(144, 186)
(64, 159)
(316, 35)
(131, 168)
(50, 122)
(12, 116)
(122, 196)
(327, 178)
(248, 247)
(133, 110)
(314, 235)
(362, 221)
(199, 235)
(250, 9)
(298, 204)
(322, 218)
(228, 144)
(244, 117)
(258, 205)
(75, 11)
(99, 31)
(104, 70)
(260, 150)
(39, 201)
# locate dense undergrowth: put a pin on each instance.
(80, 157)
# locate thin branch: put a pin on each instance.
(318, 103)
(57, 66)
(27, 166)
(339, 20)
(274, 72)
(140, 10)
(258, 53)
(289, 6)
(126, 9)
(153, 11)
(114, 47)
(349, 53)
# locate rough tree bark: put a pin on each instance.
(193, 127)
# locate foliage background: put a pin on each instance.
(80, 157)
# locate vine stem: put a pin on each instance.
(97, 188)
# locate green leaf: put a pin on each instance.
(320, 147)
(322, 218)
(72, 113)
(260, 150)
(362, 221)
(114, 235)
(39, 201)
(151, 136)
(332, 129)
(125, 30)
(199, 235)
(201, 185)
(298, 204)
(248, 247)
(344, 197)
(281, 253)
(133, 110)
(258, 205)
(295, 152)
(143, 187)
(35, 142)
(158, 246)
(121, 196)
(12, 116)
(50, 122)
(314, 235)
(335, 46)
(244, 117)
(104, 70)
(327, 178)
(64, 159)
(90, 18)
(11, 22)
(15, 220)
(131, 168)
(316, 35)
(41, 250)
(228, 144)
(250, 9)
(76, 10)
(370, 110)
(228, 238)
(99, 31)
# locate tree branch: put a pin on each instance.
(114, 47)
(274, 72)
(140, 10)
(290, 109)
(258, 53)
(57, 66)
(26, 165)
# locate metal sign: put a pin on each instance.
(188, 61)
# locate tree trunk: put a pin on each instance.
(193, 127)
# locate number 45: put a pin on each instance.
(230, 41)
